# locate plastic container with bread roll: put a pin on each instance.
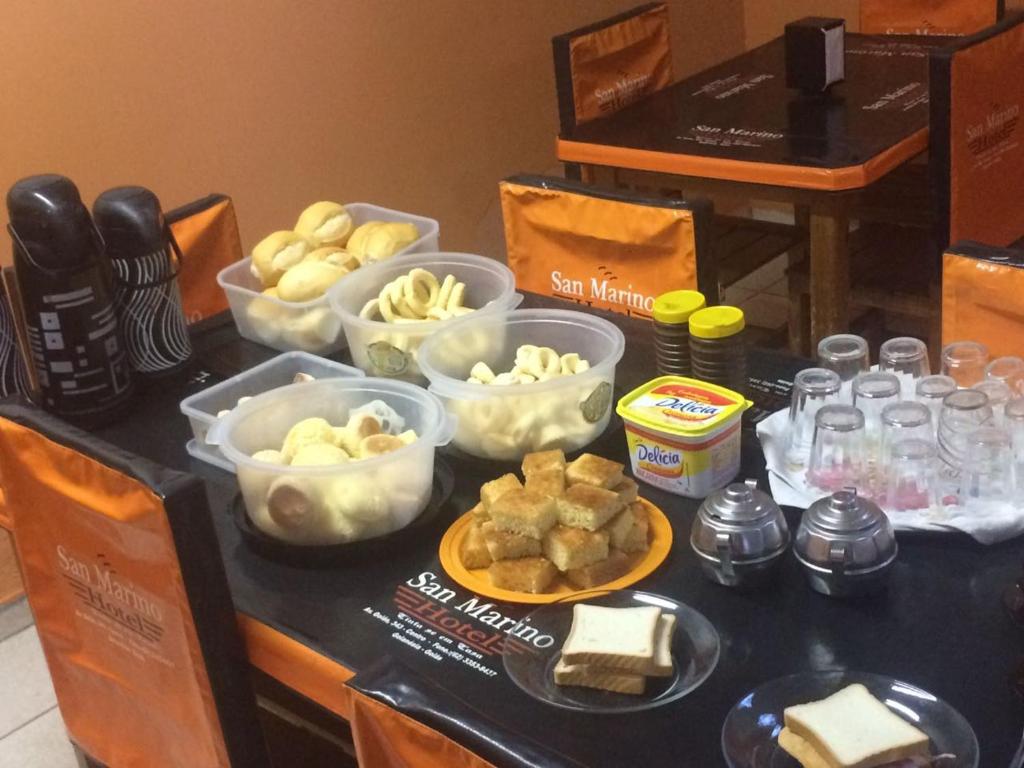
(202, 408)
(336, 503)
(391, 350)
(309, 326)
(507, 422)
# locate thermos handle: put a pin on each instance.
(56, 272)
(179, 261)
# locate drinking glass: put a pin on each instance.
(910, 479)
(906, 357)
(988, 469)
(812, 389)
(847, 355)
(962, 413)
(965, 361)
(932, 390)
(1013, 418)
(1009, 369)
(998, 396)
(902, 421)
(871, 393)
(837, 453)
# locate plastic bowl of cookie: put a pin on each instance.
(524, 381)
(335, 461)
(389, 308)
(309, 325)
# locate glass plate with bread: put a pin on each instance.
(611, 651)
(562, 528)
(843, 719)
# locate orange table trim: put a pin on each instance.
(316, 677)
(774, 174)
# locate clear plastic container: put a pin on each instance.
(390, 350)
(337, 503)
(202, 408)
(310, 326)
(507, 422)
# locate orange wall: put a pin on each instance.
(766, 19)
(420, 105)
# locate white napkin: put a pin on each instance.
(789, 487)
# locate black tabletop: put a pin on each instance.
(741, 110)
(940, 626)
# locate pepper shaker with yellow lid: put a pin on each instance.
(672, 312)
(718, 351)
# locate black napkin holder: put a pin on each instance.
(815, 53)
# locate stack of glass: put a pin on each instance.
(910, 439)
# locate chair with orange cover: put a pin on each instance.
(124, 576)
(606, 66)
(928, 17)
(206, 231)
(609, 249)
(983, 297)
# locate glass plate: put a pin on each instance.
(694, 650)
(751, 730)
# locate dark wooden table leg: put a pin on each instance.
(830, 271)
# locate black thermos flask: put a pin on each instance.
(145, 260)
(66, 287)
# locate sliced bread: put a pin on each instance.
(615, 638)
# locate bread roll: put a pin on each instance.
(325, 223)
(380, 240)
(314, 431)
(339, 257)
(319, 455)
(276, 254)
(308, 280)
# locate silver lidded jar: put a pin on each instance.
(846, 545)
(740, 535)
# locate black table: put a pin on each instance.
(736, 130)
(941, 625)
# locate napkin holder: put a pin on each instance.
(815, 54)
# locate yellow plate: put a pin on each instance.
(477, 580)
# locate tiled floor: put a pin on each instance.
(31, 730)
(762, 295)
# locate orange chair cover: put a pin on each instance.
(207, 233)
(983, 297)
(926, 17)
(604, 250)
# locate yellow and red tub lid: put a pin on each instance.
(681, 406)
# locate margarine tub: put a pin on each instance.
(683, 434)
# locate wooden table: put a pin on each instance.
(736, 129)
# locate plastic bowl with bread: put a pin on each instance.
(338, 502)
(308, 325)
(507, 422)
(391, 349)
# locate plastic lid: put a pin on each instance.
(131, 222)
(51, 222)
(675, 307)
(680, 406)
(716, 322)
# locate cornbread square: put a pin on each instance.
(473, 550)
(480, 513)
(636, 539)
(543, 460)
(494, 490)
(503, 545)
(525, 512)
(613, 567)
(528, 574)
(575, 548)
(550, 482)
(628, 490)
(589, 469)
(620, 526)
(584, 506)
(591, 676)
